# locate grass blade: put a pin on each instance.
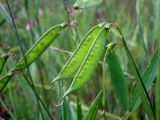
(140, 85)
(90, 61)
(4, 12)
(157, 92)
(138, 15)
(79, 110)
(79, 4)
(39, 47)
(4, 81)
(148, 78)
(93, 110)
(126, 115)
(157, 18)
(3, 60)
(118, 79)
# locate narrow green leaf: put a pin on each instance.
(156, 19)
(39, 47)
(90, 61)
(77, 58)
(157, 100)
(118, 79)
(4, 81)
(3, 60)
(148, 78)
(140, 85)
(86, 3)
(109, 48)
(93, 110)
(79, 110)
(126, 115)
(4, 12)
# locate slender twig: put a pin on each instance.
(61, 50)
(67, 12)
(37, 17)
(32, 87)
(140, 27)
(32, 37)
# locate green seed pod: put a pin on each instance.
(39, 47)
(79, 54)
(90, 61)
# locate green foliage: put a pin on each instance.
(4, 81)
(118, 79)
(140, 85)
(148, 77)
(3, 60)
(91, 63)
(157, 99)
(5, 14)
(92, 112)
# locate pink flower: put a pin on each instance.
(29, 25)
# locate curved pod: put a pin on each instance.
(90, 61)
(39, 47)
(79, 54)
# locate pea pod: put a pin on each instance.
(76, 59)
(39, 47)
(3, 60)
(90, 61)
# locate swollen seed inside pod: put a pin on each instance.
(76, 59)
(90, 61)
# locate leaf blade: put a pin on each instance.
(4, 12)
(93, 110)
(148, 78)
(118, 79)
(4, 81)
(3, 60)
(157, 100)
(140, 85)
